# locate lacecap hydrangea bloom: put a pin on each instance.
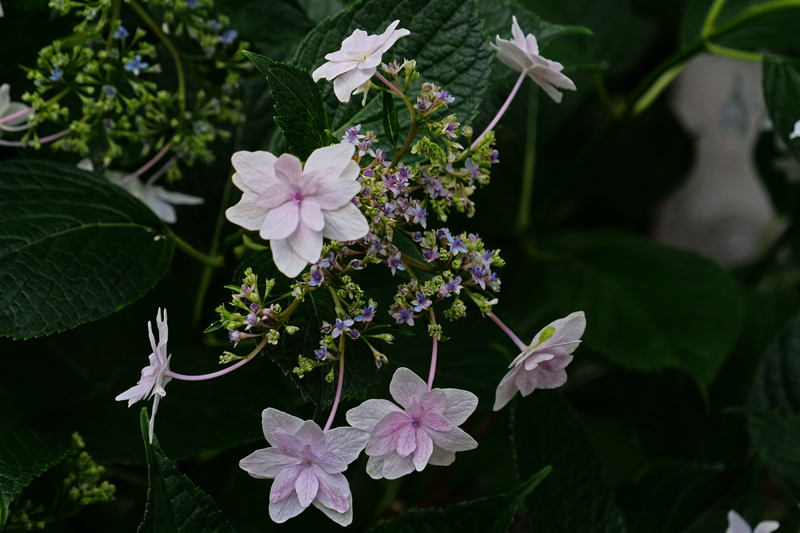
(737, 524)
(358, 60)
(424, 431)
(295, 206)
(306, 464)
(542, 364)
(521, 53)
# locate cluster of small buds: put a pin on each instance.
(82, 481)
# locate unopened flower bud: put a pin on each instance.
(291, 330)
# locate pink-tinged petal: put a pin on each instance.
(435, 421)
(510, 55)
(506, 389)
(369, 413)
(311, 214)
(306, 486)
(737, 524)
(281, 222)
(289, 169)
(11, 108)
(557, 363)
(339, 64)
(330, 462)
(274, 197)
(161, 379)
(531, 46)
(5, 95)
(288, 443)
(345, 224)
(441, 457)
(406, 386)
(334, 490)
(348, 82)
(390, 424)
(396, 466)
(568, 331)
(343, 519)
(554, 77)
(433, 401)
(517, 34)
(551, 91)
(406, 440)
(261, 162)
(423, 451)
(527, 381)
(273, 420)
(259, 180)
(310, 433)
(287, 508)
(536, 358)
(550, 380)
(334, 192)
(306, 242)
(239, 183)
(460, 405)
(266, 463)
(330, 161)
(389, 37)
(176, 198)
(286, 259)
(346, 442)
(138, 392)
(371, 62)
(381, 445)
(284, 483)
(455, 440)
(768, 526)
(353, 42)
(375, 466)
(246, 213)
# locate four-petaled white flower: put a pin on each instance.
(424, 432)
(154, 376)
(156, 197)
(306, 464)
(357, 61)
(521, 53)
(795, 134)
(294, 207)
(7, 107)
(737, 524)
(542, 365)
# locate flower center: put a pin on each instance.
(415, 423)
(297, 196)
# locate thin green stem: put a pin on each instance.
(711, 18)
(741, 55)
(207, 260)
(412, 130)
(753, 12)
(529, 168)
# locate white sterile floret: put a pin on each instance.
(357, 61)
(7, 107)
(521, 53)
(295, 206)
(795, 133)
(737, 524)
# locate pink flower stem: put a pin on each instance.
(160, 172)
(521, 345)
(43, 140)
(18, 114)
(391, 85)
(146, 166)
(203, 377)
(339, 385)
(500, 113)
(412, 130)
(433, 358)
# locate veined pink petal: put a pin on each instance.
(246, 213)
(345, 224)
(441, 457)
(138, 392)
(511, 55)
(390, 424)
(289, 169)
(288, 443)
(310, 433)
(455, 440)
(311, 214)
(460, 405)
(548, 88)
(355, 41)
(287, 508)
(273, 420)
(281, 221)
(381, 445)
(375, 466)
(406, 386)
(559, 362)
(348, 82)
(274, 197)
(517, 34)
(286, 259)
(556, 78)
(306, 486)
(406, 440)
(259, 180)
(333, 192)
(423, 451)
(346, 442)
(568, 331)
(330, 462)
(506, 389)
(266, 463)
(537, 357)
(550, 380)
(330, 161)
(435, 421)
(433, 401)
(369, 413)
(343, 519)
(527, 380)
(284, 483)
(387, 39)
(306, 242)
(260, 162)
(334, 490)
(340, 62)
(396, 466)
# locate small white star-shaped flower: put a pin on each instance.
(795, 134)
(737, 524)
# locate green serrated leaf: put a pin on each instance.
(781, 85)
(576, 497)
(174, 503)
(648, 306)
(487, 515)
(74, 248)
(24, 454)
(390, 124)
(777, 435)
(776, 383)
(299, 110)
(449, 49)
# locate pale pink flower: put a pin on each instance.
(424, 432)
(357, 61)
(737, 524)
(7, 107)
(306, 464)
(294, 206)
(796, 133)
(521, 53)
(542, 365)
(154, 377)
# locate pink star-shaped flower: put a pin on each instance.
(424, 432)
(737, 524)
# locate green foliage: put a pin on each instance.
(174, 503)
(781, 84)
(776, 385)
(496, 15)
(487, 515)
(576, 497)
(24, 454)
(651, 307)
(75, 248)
(299, 110)
(390, 123)
(449, 49)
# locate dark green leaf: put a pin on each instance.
(496, 15)
(647, 306)
(776, 386)
(679, 497)
(576, 497)
(74, 248)
(390, 123)
(174, 503)
(299, 110)
(781, 84)
(487, 515)
(24, 454)
(449, 48)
